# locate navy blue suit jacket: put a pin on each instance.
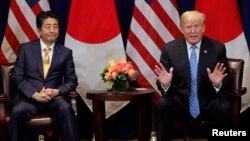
(175, 55)
(28, 70)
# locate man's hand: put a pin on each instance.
(41, 97)
(217, 75)
(45, 95)
(51, 92)
(163, 76)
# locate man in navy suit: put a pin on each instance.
(39, 92)
(174, 79)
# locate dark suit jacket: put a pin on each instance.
(28, 70)
(175, 55)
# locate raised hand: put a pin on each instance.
(163, 75)
(217, 75)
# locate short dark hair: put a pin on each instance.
(44, 15)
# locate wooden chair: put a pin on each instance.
(236, 72)
(39, 123)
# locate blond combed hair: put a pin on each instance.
(193, 15)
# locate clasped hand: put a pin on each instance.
(45, 95)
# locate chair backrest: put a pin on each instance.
(237, 90)
(40, 122)
(236, 70)
(7, 83)
(236, 73)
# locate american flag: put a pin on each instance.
(21, 26)
(154, 23)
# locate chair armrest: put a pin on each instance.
(2, 110)
(2, 103)
(2, 96)
(72, 99)
(239, 93)
(2, 115)
(73, 94)
(236, 99)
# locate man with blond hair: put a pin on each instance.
(193, 77)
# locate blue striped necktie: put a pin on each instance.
(193, 99)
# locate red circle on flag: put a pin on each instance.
(93, 21)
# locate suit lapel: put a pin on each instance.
(37, 56)
(55, 58)
(204, 50)
(185, 60)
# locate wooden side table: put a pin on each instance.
(142, 96)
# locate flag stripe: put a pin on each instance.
(142, 50)
(9, 54)
(145, 39)
(145, 70)
(147, 27)
(3, 58)
(20, 28)
(167, 18)
(23, 21)
(145, 73)
(10, 36)
(36, 9)
(153, 19)
(14, 27)
(151, 27)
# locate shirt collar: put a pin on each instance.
(198, 45)
(43, 45)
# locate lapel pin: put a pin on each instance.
(205, 51)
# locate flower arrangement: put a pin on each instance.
(117, 74)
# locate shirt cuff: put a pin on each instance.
(217, 89)
(165, 89)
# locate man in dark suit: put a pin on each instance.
(40, 91)
(176, 78)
